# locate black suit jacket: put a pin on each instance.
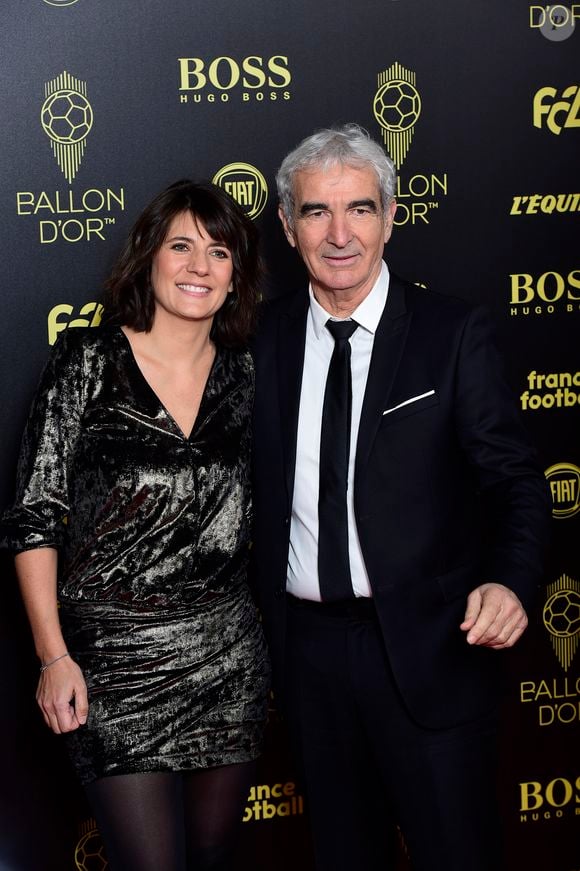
(447, 492)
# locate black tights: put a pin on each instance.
(162, 821)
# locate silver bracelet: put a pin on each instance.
(52, 661)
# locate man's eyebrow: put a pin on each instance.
(358, 204)
(313, 207)
(305, 208)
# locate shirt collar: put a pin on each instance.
(367, 314)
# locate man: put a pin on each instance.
(400, 521)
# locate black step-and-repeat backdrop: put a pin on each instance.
(106, 102)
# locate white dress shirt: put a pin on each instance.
(302, 578)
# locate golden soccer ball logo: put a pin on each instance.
(562, 614)
(67, 117)
(397, 105)
(562, 618)
(90, 853)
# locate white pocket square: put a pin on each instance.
(408, 401)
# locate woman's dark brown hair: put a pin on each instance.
(129, 298)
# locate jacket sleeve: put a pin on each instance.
(38, 516)
(512, 485)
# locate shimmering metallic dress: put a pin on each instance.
(152, 584)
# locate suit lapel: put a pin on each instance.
(291, 342)
(388, 347)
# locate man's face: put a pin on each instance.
(340, 230)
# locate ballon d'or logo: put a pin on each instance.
(67, 118)
(89, 852)
(561, 617)
(397, 106)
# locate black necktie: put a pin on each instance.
(333, 563)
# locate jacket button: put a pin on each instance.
(279, 592)
(286, 521)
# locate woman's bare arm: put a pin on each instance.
(62, 691)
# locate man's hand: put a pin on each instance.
(494, 617)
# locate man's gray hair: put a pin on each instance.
(348, 145)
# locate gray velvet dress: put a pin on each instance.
(152, 530)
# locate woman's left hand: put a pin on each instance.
(62, 696)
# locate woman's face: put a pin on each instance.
(191, 273)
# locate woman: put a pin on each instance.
(133, 508)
